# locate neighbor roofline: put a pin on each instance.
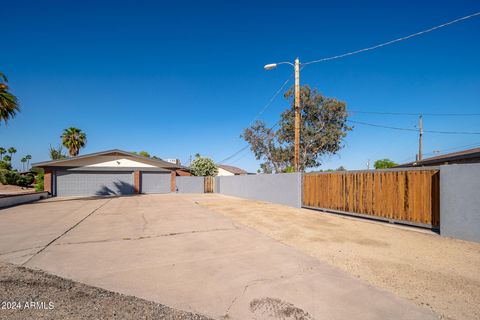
(165, 164)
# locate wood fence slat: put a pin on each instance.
(410, 195)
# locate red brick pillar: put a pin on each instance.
(136, 181)
(47, 181)
(173, 183)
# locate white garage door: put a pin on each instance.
(155, 182)
(93, 183)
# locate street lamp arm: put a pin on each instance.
(271, 66)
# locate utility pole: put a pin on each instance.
(297, 109)
(296, 159)
(420, 134)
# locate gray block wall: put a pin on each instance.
(460, 201)
(189, 184)
(13, 200)
(284, 188)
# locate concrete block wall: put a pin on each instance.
(460, 201)
(189, 184)
(284, 188)
(16, 199)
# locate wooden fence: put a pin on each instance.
(209, 184)
(410, 196)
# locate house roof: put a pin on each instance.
(232, 169)
(454, 156)
(158, 162)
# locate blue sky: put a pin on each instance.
(175, 79)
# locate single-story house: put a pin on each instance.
(224, 170)
(464, 156)
(113, 172)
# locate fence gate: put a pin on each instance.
(409, 196)
(209, 184)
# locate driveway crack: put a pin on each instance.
(146, 237)
(64, 233)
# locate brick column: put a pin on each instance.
(173, 183)
(47, 181)
(136, 181)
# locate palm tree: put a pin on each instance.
(12, 150)
(28, 157)
(23, 160)
(73, 139)
(2, 152)
(8, 102)
(7, 158)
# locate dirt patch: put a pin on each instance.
(9, 190)
(438, 273)
(269, 308)
(29, 294)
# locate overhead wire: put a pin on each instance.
(414, 114)
(394, 40)
(411, 129)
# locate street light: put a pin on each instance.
(296, 66)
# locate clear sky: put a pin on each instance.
(177, 78)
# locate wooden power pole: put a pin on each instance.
(296, 159)
(420, 134)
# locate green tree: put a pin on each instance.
(12, 151)
(202, 166)
(323, 128)
(341, 168)
(144, 154)
(9, 105)
(7, 158)
(73, 139)
(23, 161)
(56, 154)
(384, 164)
(2, 152)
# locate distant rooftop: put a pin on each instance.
(464, 156)
(232, 169)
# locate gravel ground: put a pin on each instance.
(38, 295)
(435, 272)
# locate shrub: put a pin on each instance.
(39, 179)
(9, 177)
(203, 167)
(5, 165)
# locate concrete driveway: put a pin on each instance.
(168, 249)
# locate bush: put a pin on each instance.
(5, 165)
(39, 179)
(9, 177)
(203, 167)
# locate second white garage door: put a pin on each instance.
(155, 182)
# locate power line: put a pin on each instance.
(410, 129)
(394, 41)
(272, 98)
(265, 107)
(244, 148)
(414, 114)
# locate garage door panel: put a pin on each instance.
(155, 182)
(94, 183)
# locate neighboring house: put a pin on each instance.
(465, 156)
(113, 172)
(224, 170)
